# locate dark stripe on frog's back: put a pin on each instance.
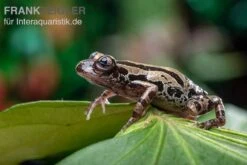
(153, 68)
(133, 77)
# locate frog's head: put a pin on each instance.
(97, 68)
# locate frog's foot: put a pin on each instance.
(204, 125)
(208, 124)
(130, 122)
(103, 99)
(203, 104)
(96, 102)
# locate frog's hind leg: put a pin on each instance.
(203, 104)
(150, 91)
(102, 99)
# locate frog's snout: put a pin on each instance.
(79, 67)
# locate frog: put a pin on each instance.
(165, 88)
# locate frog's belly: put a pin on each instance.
(168, 106)
(127, 92)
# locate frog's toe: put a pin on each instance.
(107, 101)
(103, 103)
(88, 116)
(103, 106)
(204, 125)
(88, 113)
(199, 124)
(90, 110)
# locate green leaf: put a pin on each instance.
(43, 129)
(164, 139)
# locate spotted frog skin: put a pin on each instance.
(163, 87)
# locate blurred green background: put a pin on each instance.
(206, 40)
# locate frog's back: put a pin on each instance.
(174, 88)
(160, 76)
(152, 73)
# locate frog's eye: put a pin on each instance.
(104, 63)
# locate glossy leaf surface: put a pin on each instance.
(43, 129)
(166, 139)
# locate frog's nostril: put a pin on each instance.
(79, 67)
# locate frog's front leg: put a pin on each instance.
(102, 99)
(203, 104)
(150, 91)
